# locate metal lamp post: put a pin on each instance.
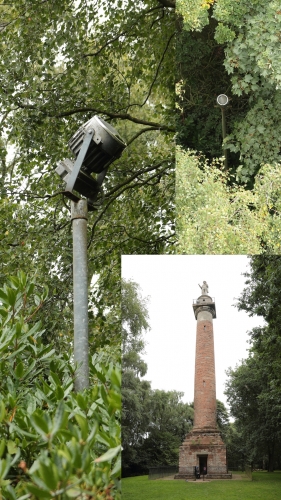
(223, 101)
(95, 146)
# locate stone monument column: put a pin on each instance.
(203, 450)
(205, 377)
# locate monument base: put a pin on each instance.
(205, 450)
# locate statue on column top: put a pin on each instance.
(204, 288)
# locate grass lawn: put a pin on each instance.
(265, 486)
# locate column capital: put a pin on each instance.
(204, 303)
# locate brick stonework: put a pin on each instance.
(205, 378)
(204, 440)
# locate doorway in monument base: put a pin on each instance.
(203, 464)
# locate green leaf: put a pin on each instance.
(81, 402)
(12, 447)
(5, 465)
(40, 425)
(38, 492)
(58, 419)
(109, 454)
(2, 447)
(19, 370)
(2, 411)
(49, 475)
(116, 471)
(83, 424)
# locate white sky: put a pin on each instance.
(171, 282)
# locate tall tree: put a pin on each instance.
(135, 391)
(154, 422)
(236, 51)
(254, 388)
(255, 409)
(60, 65)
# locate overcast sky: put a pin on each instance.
(171, 282)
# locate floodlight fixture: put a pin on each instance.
(222, 100)
(95, 145)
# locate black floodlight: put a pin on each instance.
(95, 146)
(222, 100)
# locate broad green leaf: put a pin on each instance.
(12, 447)
(2, 447)
(116, 471)
(83, 424)
(19, 370)
(109, 454)
(2, 411)
(40, 425)
(58, 419)
(38, 492)
(49, 475)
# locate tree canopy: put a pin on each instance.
(154, 422)
(216, 217)
(230, 48)
(253, 388)
(60, 65)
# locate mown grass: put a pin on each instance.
(265, 486)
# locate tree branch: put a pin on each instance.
(123, 33)
(134, 176)
(142, 131)
(125, 188)
(158, 69)
(121, 116)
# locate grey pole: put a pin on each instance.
(224, 134)
(79, 215)
(222, 101)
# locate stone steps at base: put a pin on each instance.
(208, 476)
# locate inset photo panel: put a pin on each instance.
(200, 369)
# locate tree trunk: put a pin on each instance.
(271, 457)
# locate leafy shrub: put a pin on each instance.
(54, 443)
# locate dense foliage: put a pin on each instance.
(62, 63)
(54, 443)
(253, 388)
(232, 48)
(215, 217)
(154, 422)
(236, 52)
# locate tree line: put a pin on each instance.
(253, 388)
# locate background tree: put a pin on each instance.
(255, 412)
(135, 392)
(60, 65)
(253, 388)
(214, 217)
(154, 422)
(231, 49)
